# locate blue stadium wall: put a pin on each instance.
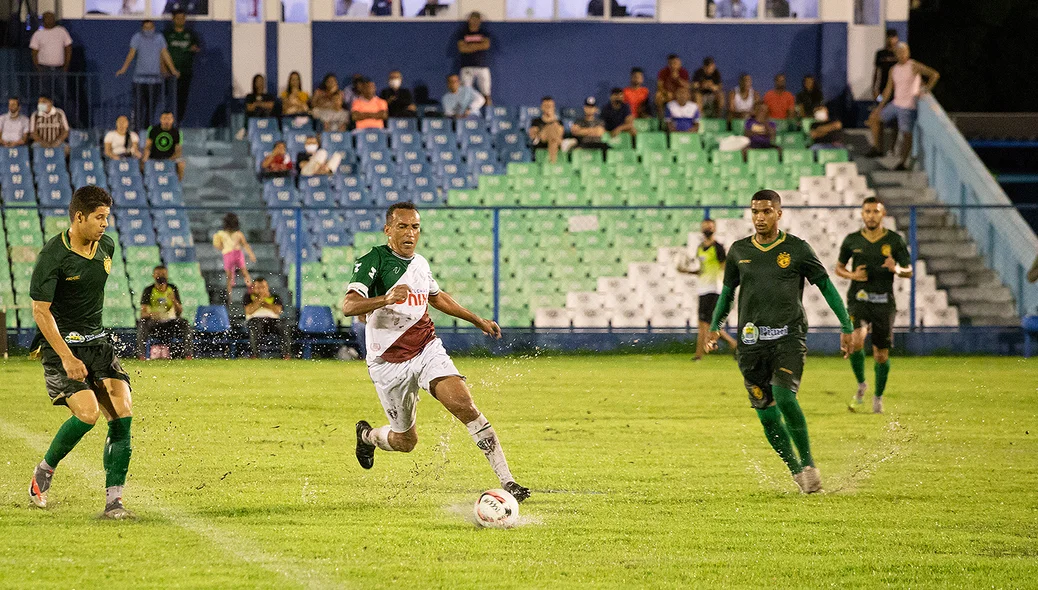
(569, 60)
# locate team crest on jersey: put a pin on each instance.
(757, 392)
(108, 264)
(783, 260)
(885, 250)
(750, 335)
(75, 338)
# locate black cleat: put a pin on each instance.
(365, 451)
(518, 492)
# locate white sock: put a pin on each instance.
(113, 493)
(379, 437)
(486, 439)
(45, 466)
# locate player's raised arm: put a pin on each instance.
(445, 303)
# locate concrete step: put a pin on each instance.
(891, 178)
(963, 278)
(940, 250)
(895, 195)
(990, 293)
(953, 264)
(984, 314)
(942, 234)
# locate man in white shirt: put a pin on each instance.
(51, 54)
(682, 112)
(14, 126)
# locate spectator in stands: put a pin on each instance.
(461, 101)
(149, 48)
(263, 316)
(121, 142)
(51, 46)
(231, 243)
(368, 110)
(277, 162)
(597, 8)
(617, 115)
(900, 102)
(707, 81)
(182, 44)
(742, 100)
(382, 8)
(590, 129)
(314, 161)
(352, 9)
(761, 130)
(400, 101)
(431, 8)
(885, 59)
(294, 100)
(809, 98)
(161, 308)
(781, 102)
(668, 80)
(48, 126)
(682, 112)
(328, 105)
(546, 131)
(734, 9)
(636, 95)
(353, 91)
(259, 102)
(165, 142)
(14, 126)
(825, 134)
(474, 47)
(776, 9)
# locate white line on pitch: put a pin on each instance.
(228, 541)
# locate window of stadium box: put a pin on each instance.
(574, 9)
(150, 7)
(762, 9)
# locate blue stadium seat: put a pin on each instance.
(138, 238)
(441, 140)
(259, 125)
(487, 168)
(18, 155)
(356, 197)
(445, 157)
(375, 155)
(318, 197)
(421, 182)
(503, 112)
(415, 168)
(347, 168)
(337, 141)
(172, 196)
(285, 197)
(295, 141)
(478, 156)
(406, 157)
(129, 197)
(379, 169)
(384, 182)
(515, 154)
(22, 180)
(126, 183)
(18, 195)
(427, 197)
(44, 155)
(316, 326)
(315, 182)
(178, 254)
(173, 220)
(85, 153)
(435, 125)
(155, 167)
(471, 125)
(479, 140)
(264, 142)
(55, 196)
(503, 125)
(162, 181)
(403, 124)
(371, 139)
(58, 178)
(527, 114)
(351, 182)
(125, 167)
(297, 123)
(364, 220)
(384, 197)
(83, 179)
(406, 140)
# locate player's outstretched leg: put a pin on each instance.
(796, 424)
(114, 399)
(454, 395)
(84, 413)
(383, 437)
(882, 358)
(777, 435)
(857, 359)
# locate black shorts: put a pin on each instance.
(880, 318)
(101, 363)
(707, 303)
(779, 363)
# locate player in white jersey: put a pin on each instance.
(392, 288)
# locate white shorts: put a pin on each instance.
(397, 384)
(481, 76)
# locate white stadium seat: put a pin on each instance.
(585, 300)
(552, 317)
(669, 318)
(590, 318)
(850, 183)
(841, 169)
(629, 317)
(815, 184)
(613, 284)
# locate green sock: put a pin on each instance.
(117, 451)
(858, 364)
(66, 439)
(796, 424)
(882, 370)
(776, 434)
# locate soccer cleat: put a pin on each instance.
(799, 478)
(365, 450)
(877, 404)
(518, 492)
(859, 397)
(812, 480)
(116, 511)
(39, 486)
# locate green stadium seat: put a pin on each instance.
(672, 183)
(366, 240)
(540, 156)
(498, 198)
(686, 143)
(524, 183)
(806, 169)
(570, 198)
(805, 125)
(610, 198)
(561, 183)
(621, 142)
(733, 169)
(795, 156)
(675, 198)
(757, 158)
(463, 198)
(646, 125)
(590, 170)
(626, 169)
(583, 157)
(534, 199)
(53, 226)
(827, 156)
(744, 183)
(491, 182)
(523, 169)
(645, 197)
(706, 183)
(657, 157)
(600, 183)
(711, 198)
(791, 141)
(340, 254)
(778, 183)
(646, 142)
(721, 158)
(557, 169)
(635, 182)
(713, 126)
(621, 157)
(118, 317)
(694, 170)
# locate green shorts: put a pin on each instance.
(878, 317)
(101, 363)
(773, 364)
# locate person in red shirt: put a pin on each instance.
(369, 111)
(636, 96)
(781, 102)
(668, 80)
(277, 162)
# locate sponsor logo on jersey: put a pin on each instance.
(768, 333)
(885, 250)
(744, 261)
(783, 260)
(75, 278)
(74, 338)
(866, 297)
(417, 299)
(757, 392)
(108, 264)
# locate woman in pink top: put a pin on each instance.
(900, 98)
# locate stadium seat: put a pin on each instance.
(316, 326)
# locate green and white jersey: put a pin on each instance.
(879, 288)
(397, 332)
(74, 285)
(771, 287)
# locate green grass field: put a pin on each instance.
(649, 471)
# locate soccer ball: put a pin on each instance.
(496, 509)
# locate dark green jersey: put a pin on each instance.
(179, 45)
(74, 285)
(879, 288)
(771, 285)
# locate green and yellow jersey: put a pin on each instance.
(879, 288)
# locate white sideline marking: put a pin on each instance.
(228, 541)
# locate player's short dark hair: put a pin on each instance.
(405, 205)
(616, 91)
(892, 33)
(547, 97)
(88, 198)
(259, 280)
(159, 267)
(178, 11)
(767, 195)
(707, 61)
(870, 200)
(637, 71)
(672, 56)
(14, 98)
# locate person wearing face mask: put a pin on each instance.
(14, 126)
(781, 102)
(48, 125)
(314, 161)
(400, 101)
(152, 55)
(161, 308)
(708, 265)
(825, 134)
